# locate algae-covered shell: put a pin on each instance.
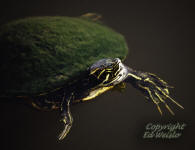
(39, 54)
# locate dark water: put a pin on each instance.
(161, 40)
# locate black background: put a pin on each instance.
(160, 36)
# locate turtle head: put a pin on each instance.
(109, 71)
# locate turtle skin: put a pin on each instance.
(45, 60)
(102, 76)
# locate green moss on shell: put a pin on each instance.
(42, 53)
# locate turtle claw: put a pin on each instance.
(156, 90)
(66, 117)
(67, 127)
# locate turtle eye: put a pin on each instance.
(110, 66)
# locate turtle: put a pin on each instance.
(53, 62)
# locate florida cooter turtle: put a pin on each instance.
(56, 61)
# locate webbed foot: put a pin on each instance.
(92, 16)
(154, 88)
(67, 120)
(66, 117)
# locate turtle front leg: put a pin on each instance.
(66, 116)
(153, 87)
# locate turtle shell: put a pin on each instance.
(39, 54)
